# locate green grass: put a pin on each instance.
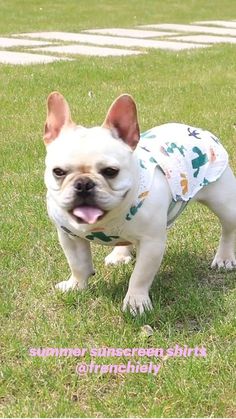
(192, 304)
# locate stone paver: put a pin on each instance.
(23, 58)
(89, 50)
(130, 33)
(14, 42)
(192, 28)
(224, 23)
(206, 39)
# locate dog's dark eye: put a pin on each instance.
(110, 172)
(59, 172)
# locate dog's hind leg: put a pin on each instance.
(220, 197)
(120, 254)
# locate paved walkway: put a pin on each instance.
(46, 47)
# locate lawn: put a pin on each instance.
(193, 305)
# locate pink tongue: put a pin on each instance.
(88, 214)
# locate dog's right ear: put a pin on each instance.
(122, 119)
(58, 117)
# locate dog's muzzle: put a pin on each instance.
(84, 187)
(85, 208)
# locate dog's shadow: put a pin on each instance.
(186, 294)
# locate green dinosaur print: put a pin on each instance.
(142, 164)
(152, 160)
(133, 210)
(205, 182)
(101, 236)
(171, 148)
(199, 161)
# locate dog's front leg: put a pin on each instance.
(149, 257)
(78, 255)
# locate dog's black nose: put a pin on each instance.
(84, 186)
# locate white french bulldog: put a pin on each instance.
(113, 186)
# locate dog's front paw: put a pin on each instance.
(118, 256)
(70, 284)
(225, 263)
(65, 286)
(137, 303)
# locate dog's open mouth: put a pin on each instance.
(88, 214)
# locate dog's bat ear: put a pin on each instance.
(58, 116)
(122, 120)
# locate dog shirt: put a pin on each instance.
(189, 157)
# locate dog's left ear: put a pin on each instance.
(58, 117)
(122, 120)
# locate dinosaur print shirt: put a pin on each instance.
(190, 158)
